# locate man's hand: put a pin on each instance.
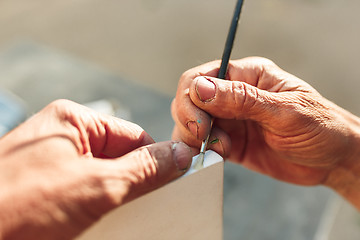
(268, 120)
(67, 166)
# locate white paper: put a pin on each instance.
(210, 158)
(188, 208)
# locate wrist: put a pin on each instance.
(344, 178)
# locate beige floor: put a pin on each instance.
(154, 41)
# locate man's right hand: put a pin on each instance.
(270, 121)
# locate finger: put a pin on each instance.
(146, 169)
(98, 133)
(190, 140)
(234, 100)
(185, 136)
(219, 141)
(264, 74)
(189, 131)
(190, 117)
(184, 112)
(119, 138)
(252, 70)
(112, 137)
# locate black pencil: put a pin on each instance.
(230, 40)
(222, 71)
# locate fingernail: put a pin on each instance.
(182, 155)
(205, 89)
(193, 128)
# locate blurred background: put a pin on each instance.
(87, 50)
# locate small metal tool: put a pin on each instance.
(222, 73)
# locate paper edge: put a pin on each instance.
(211, 157)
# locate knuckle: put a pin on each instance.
(135, 127)
(136, 177)
(239, 95)
(146, 168)
(60, 103)
(187, 74)
(244, 97)
(60, 107)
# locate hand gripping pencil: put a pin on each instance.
(222, 72)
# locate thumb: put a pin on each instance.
(148, 168)
(232, 99)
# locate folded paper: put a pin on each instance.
(190, 207)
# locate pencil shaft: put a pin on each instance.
(230, 40)
(226, 57)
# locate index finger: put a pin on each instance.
(185, 112)
(98, 133)
(264, 74)
(120, 137)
